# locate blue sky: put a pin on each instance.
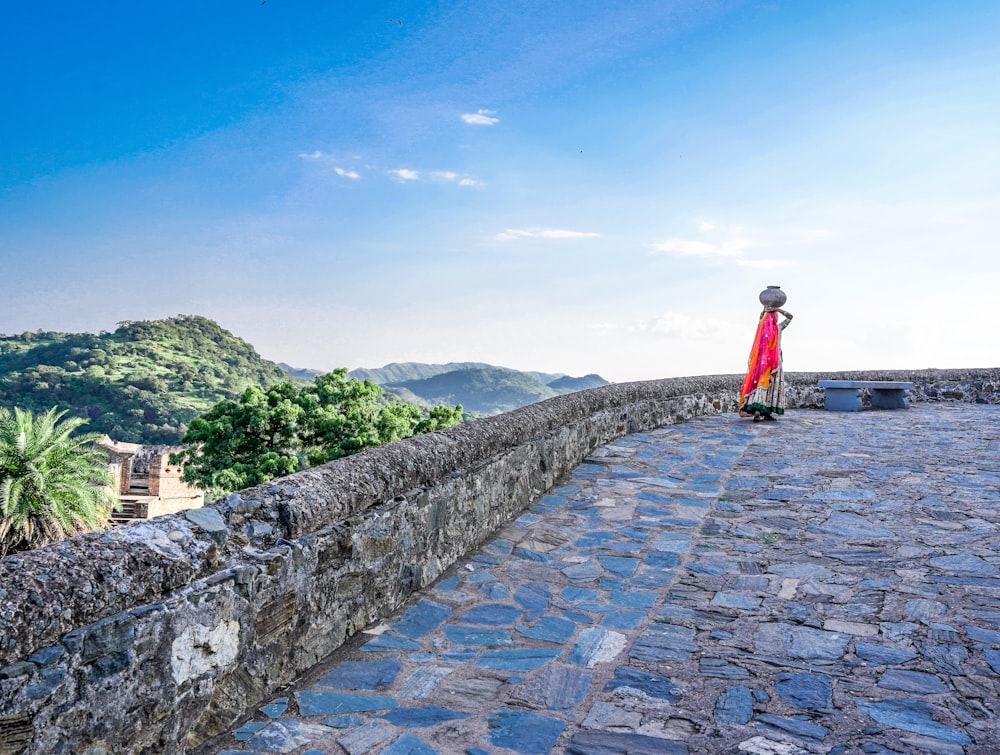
(587, 187)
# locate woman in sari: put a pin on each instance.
(762, 394)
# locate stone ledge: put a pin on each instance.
(202, 616)
(94, 576)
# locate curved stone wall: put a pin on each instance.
(154, 636)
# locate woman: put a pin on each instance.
(763, 392)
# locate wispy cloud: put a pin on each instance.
(676, 325)
(510, 234)
(693, 248)
(405, 174)
(316, 155)
(352, 174)
(728, 244)
(481, 118)
(449, 176)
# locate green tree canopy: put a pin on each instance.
(143, 383)
(52, 485)
(284, 429)
(245, 442)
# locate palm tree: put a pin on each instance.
(52, 486)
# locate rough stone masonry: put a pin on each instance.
(825, 584)
(154, 637)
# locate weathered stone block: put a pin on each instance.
(107, 637)
(16, 734)
(275, 618)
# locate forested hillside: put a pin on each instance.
(143, 383)
(481, 391)
(304, 374)
(146, 381)
(480, 388)
(401, 372)
(567, 384)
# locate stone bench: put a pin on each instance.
(844, 395)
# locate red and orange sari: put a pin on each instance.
(763, 388)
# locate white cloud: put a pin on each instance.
(509, 234)
(453, 177)
(480, 118)
(317, 155)
(405, 174)
(731, 247)
(677, 326)
(693, 248)
(442, 176)
(352, 174)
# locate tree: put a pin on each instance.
(439, 418)
(268, 434)
(241, 443)
(52, 485)
(345, 416)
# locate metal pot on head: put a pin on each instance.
(773, 297)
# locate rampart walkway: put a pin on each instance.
(825, 583)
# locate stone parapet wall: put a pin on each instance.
(154, 636)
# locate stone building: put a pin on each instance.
(146, 483)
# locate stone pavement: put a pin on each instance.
(826, 583)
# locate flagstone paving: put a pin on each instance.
(827, 583)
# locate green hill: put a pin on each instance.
(401, 372)
(480, 388)
(303, 373)
(547, 377)
(409, 397)
(143, 383)
(568, 384)
(489, 390)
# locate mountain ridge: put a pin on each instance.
(145, 381)
(401, 372)
(481, 388)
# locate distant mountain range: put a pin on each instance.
(479, 387)
(401, 372)
(145, 381)
(303, 374)
(489, 390)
